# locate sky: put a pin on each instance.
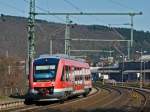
(141, 22)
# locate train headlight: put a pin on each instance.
(34, 91)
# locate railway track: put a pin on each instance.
(112, 99)
(44, 105)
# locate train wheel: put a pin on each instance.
(28, 101)
(65, 97)
(85, 94)
(61, 101)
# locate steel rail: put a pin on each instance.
(32, 107)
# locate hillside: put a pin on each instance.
(13, 37)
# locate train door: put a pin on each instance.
(73, 77)
(67, 76)
(64, 77)
(82, 75)
(82, 78)
(75, 74)
(78, 79)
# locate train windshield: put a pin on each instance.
(45, 72)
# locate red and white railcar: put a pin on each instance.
(57, 77)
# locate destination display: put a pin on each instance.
(45, 67)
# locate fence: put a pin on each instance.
(13, 79)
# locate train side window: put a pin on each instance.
(83, 71)
(85, 77)
(88, 77)
(67, 70)
(79, 71)
(63, 76)
(81, 77)
(86, 71)
(73, 73)
(75, 78)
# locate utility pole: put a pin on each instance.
(141, 74)
(132, 30)
(144, 72)
(31, 41)
(67, 41)
(51, 46)
(141, 67)
(122, 69)
(129, 43)
(67, 36)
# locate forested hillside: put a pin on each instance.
(13, 37)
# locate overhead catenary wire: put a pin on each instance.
(54, 33)
(121, 4)
(58, 30)
(48, 13)
(78, 9)
(12, 7)
(38, 25)
(74, 6)
(42, 9)
(118, 33)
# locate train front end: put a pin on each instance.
(43, 80)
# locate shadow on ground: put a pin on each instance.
(17, 96)
(94, 110)
(81, 110)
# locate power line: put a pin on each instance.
(78, 9)
(54, 33)
(57, 17)
(74, 6)
(120, 4)
(58, 30)
(13, 7)
(38, 25)
(42, 9)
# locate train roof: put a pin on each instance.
(60, 56)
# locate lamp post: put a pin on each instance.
(144, 73)
(102, 75)
(122, 74)
(141, 76)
